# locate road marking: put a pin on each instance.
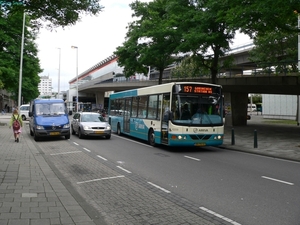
(63, 153)
(101, 157)
(159, 187)
(75, 143)
(127, 171)
(219, 215)
(281, 181)
(134, 141)
(105, 178)
(87, 150)
(192, 158)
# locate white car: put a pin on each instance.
(24, 110)
(90, 124)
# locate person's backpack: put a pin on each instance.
(16, 123)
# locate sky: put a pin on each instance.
(96, 38)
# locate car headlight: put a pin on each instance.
(108, 128)
(38, 127)
(87, 127)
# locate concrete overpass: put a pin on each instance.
(235, 89)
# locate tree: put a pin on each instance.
(150, 40)
(54, 12)
(277, 50)
(255, 16)
(205, 32)
(10, 47)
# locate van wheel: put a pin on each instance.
(67, 136)
(80, 134)
(151, 138)
(73, 131)
(119, 130)
(36, 138)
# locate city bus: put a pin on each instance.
(172, 114)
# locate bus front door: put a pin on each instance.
(126, 115)
(165, 119)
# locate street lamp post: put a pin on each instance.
(21, 63)
(58, 84)
(76, 76)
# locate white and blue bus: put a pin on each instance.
(173, 114)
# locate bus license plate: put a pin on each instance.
(99, 132)
(200, 144)
(54, 133)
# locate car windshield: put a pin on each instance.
(92, 118)
(50, 109)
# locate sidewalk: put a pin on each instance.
(275, 140)
(30, 192)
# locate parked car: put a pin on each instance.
(24, 110)
(90, 124)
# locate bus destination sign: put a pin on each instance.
(197, 89)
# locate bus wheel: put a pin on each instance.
(151, 138)
(118, 130)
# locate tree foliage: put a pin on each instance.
(257, 16)
(276, 51)
(10, 51)
(150, 40)
(54, 12)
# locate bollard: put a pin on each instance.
(255, 139)
(232, 137)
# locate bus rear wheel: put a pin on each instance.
(151, 138)
(119, 130)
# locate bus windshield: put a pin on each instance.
(195, 109)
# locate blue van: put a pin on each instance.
(48, 118)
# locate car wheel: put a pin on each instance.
(151, 138)
(23, 117)
(31, 133)
(119, 130)
(108, 136)
(80, 134)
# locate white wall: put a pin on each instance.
(279, 106)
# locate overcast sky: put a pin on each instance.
(96, 38)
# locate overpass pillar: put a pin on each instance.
(236, 109)
(100, 99)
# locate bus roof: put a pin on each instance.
(160, 88)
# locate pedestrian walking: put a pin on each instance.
(16, 123)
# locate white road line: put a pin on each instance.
(219, 215)
(134, 141)
(281, 181)
(192, 158)
(101, 157)
(75, 143)
(63, 153)
(159, 187)
(127, 171)
(87, 150)
(105, 178)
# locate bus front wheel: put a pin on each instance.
(151, 138)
